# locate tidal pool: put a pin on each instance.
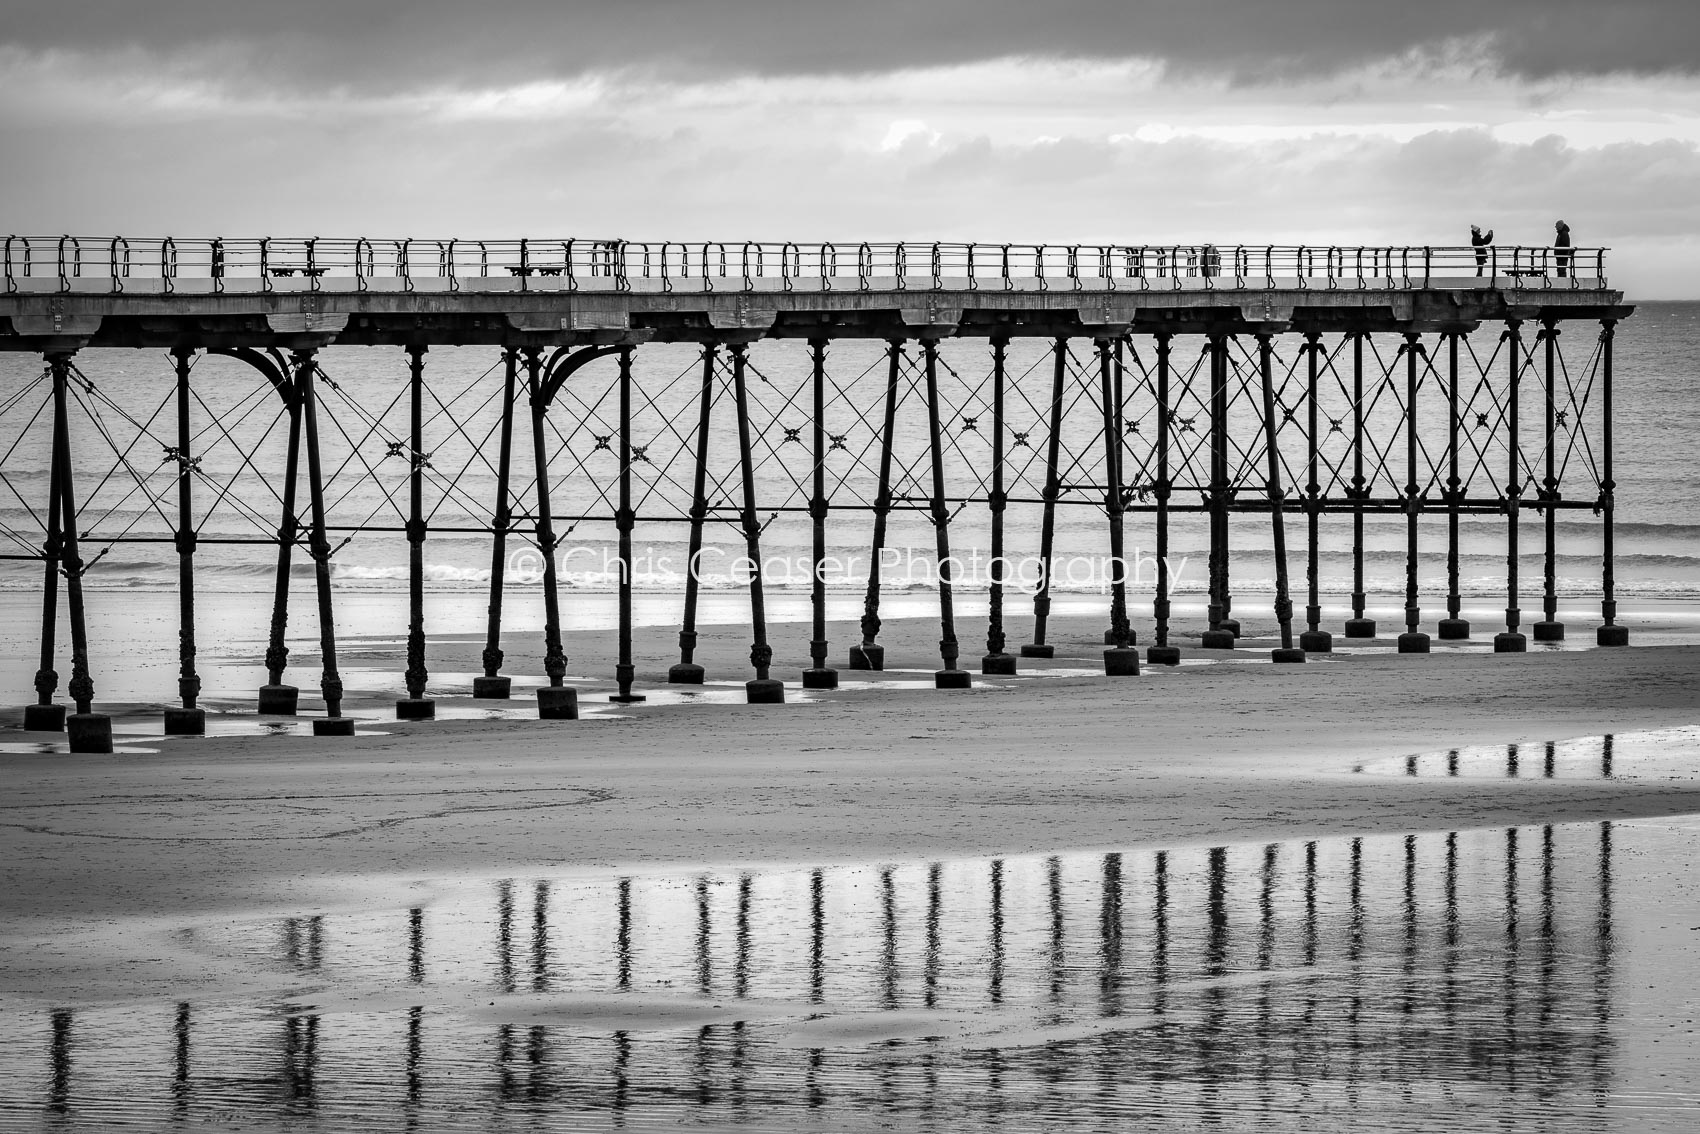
(1523, 978)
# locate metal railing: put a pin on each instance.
(265, 264)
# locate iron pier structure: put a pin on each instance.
(1292, 388)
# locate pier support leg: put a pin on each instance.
(688, 671)
(45, 715)
(1454, 627)
(765, 689)
(950, 676)
(333, 723)
(1038, 647)
(870, 654)
(555, 701)
(1286, 651)
(1161, 652)
(819, 675)
(1512, 642)
(187, 719)
(1550, 629)
(416, 707)
(625, 520)
(1220, 635)
(1120, 659)
(1358, 626)
(996, 661)
(1412, 641)
(1315, 639)
(275, 696)
(85, 729)
(492, 685)
(1610, 633)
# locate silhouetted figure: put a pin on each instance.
(1561, 242)
(1480, 241)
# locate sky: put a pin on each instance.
(1093, 121)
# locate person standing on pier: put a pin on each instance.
(1561, 241)
(1480, 241)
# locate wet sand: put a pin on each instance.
(1234, 750)
(116, 871)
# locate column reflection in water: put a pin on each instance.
(1407, 970)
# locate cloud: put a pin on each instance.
(360, 44)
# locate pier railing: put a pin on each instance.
(115, 265)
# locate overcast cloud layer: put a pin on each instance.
(1321, 121)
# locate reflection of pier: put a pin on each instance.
(1473, 968)
(650, 387)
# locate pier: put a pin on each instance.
(1293, 388)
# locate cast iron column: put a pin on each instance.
(1453, 627)
(1120, 659)
(1609, 634)
(1161, 653)
(416, 707)
(555, 701)
(1512, 642)
(765, 689)
(275, 696)
(186, 720)
(1315, 639)
(1038, 648)
(87, 730)
(1277, 507)
(871, 655)
(625, 520)
(491, 685)
(819, 675)
(1358, 626)
(996, 660)
(1550, 629)
(333, 723)
(688, 671)
(950, 677)
(1412, 641)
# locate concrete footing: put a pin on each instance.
(89, 732)
(1510, 643)
(557, 703)
(1360, 628)
(1231, 625)
(44, 718)
(627, 698)
(415, 709)
(1548, 631)
(1218, 639)
(952, 679)
(686, 673)
(1121, 661)
(333, 726)
(1031, 650)
(1316, 642)
(1453, 629)
(998, 665)
(1110, 638)
(1413, 642)
(1287, 655)
(279, 700)
(824, 678)
(1163, 655)
(493, 688)
(867, 656)
(185, 722)
(764, 691)
(1612, 636)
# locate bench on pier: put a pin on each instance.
(1519, 273)
(537, 269)
(314, 272)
